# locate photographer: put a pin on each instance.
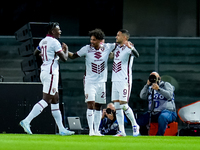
(109, 125)
(162, 108)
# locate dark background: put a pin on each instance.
(170, 26)
(77, 17)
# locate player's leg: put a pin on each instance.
(120, 118)
(119, 111)
(36, 110)
(97, 119)
(53, 96)
(38, 107)
(124, 95)
(90, 116)
(55, 110)
(100, 99)
(90, 100)
(129, 113)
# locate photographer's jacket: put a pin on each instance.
(163, 98)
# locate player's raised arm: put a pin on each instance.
(135, 52)
(131, 46)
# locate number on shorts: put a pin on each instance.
(125, 91)
(103, 95)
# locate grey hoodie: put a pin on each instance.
(163, 98)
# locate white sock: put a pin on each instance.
(119, 116)
(97, 120)
(90, 118)
(36, 110)
(57, 116)
(129, 113)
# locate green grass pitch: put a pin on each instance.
(85, 142)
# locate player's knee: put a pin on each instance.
(48, 101)
(98, 106)
(91, 105)
(117, 105)
(55, 101)
(124, 107)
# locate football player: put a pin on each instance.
(50, 50)
(96, 56)
(122, 80)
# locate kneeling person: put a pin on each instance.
(109, 125)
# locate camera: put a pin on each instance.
(153, 79)
(109, 111)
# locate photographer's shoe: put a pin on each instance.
(136, 130)
(120, 134)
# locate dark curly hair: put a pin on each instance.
(51, 26)
(97, 33)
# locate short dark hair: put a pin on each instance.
(51, 26)
(97, 33)
(124, 31)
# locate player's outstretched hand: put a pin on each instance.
(64, 47)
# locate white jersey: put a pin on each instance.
(49, 46)
(96, 62)
(122, 65)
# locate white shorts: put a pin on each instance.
(50, 82)
(95, 92)
(121, 91)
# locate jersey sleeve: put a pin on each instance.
(111, 46)
(82, 51)
(57, 46)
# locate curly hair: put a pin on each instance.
(97, 33)
(51, 26)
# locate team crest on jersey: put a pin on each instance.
(54, 90)
(97, 55)
(102, 49)
(123, 47)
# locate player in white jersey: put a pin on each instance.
(122, 80)
(50, 50)
(96, 56)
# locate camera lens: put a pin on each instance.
(108, 111)
(152, 78)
